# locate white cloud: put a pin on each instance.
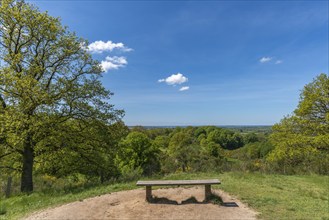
(113, 63)
(101, 46)
(265, 59)
(174, 79)
(184, 88)
(278, 61)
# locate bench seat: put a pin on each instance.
(149, 183)
(177, 182)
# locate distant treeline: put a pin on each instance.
(240, 128)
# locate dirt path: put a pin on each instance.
(132, 205)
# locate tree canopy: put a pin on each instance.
(47, 80)
(302, 139)
(136, 152)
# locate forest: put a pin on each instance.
(58, 122)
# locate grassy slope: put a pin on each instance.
(277, 196)
(274, 196)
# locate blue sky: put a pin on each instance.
(241, 62)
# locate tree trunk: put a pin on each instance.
(8, 186)
(28, 159)
(102, 178)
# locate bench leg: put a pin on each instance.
(148, 193)
(207, 192)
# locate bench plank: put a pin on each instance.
(177, 182)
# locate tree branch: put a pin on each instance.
(3, 103)
(10, 168)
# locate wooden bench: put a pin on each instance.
(149, 184)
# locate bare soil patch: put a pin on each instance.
(171, 203)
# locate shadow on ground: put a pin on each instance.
(230, 204)
(163, 200)
(215, 199)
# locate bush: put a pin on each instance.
(129, 174)
(3, 209)
(305, 160)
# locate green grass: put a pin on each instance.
(274, 196)
(282, 197)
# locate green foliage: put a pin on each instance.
(137, 153)
(200, 131)
(251, 157)
(250, 138)
(301, 140)
(91, 153)
(130, 174)
(49, 92)
(313, 105)
(182, 150)
(156, 132)
(3, 209)
(161, 142)
(225, 138)
(257, 150)
(194, 148)
(211, 148)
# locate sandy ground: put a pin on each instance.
(132, 205)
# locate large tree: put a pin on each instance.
(47, 78)
(302, 139)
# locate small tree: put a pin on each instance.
(182, 149)
(136, 153)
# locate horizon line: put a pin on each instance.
(201, 125)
